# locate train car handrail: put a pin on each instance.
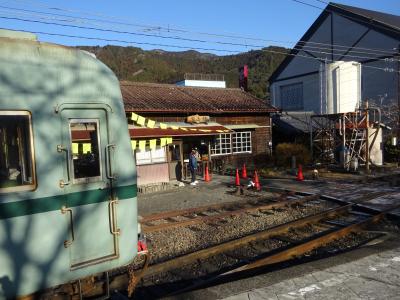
(109, 174)
(64, 210)
(61, 148)
(59, 107)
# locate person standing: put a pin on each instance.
(193, 166)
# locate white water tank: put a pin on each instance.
(343, 87)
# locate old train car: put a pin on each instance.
(67, 175)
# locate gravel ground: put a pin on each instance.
(223, 261)
(174, 242)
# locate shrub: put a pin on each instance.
(285, 151)
(391, 153)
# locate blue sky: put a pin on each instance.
(269, 20)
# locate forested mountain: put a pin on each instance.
(161, 66)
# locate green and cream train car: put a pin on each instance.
(67, 175)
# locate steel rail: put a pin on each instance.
(303, 248)
(199, 209)
(233, 244)
(122, 280)
(203, 219)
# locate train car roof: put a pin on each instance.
(31, 70)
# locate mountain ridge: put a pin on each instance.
(160, 66)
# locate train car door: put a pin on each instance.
(90, 206)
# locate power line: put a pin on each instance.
(347, 16)
(180, 47)
(169, 29)
(28, 12)
(308, 4)
(170, 37)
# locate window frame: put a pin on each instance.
(248, 136)
(150, 160)
(30, 145)
(212, 149)
(70, 158)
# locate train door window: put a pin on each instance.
(85, 145)
(17, 171)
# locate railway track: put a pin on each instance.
(324, 225)
(267, 248)
(212, 213)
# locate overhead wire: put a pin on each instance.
(183, 47)
(258, 46)
(170, 29)
(347, 16)
(174, 37)
(202, 48)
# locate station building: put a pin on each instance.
(228, 126)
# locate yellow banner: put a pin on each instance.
(151, 123)
(175, 127)
(163, 126)
(169, 140)
(141, 120)
(153, 144)
(142, 145)
(87, 148)
(133, 144)
(75, 148)
(134, 117)
(163, 142)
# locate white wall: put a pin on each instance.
(310, 92)
(376, 151)
(202, 83)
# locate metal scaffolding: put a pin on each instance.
(342, 138)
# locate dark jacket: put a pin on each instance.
(192, 161)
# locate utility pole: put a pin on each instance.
(398, 93)
(367, 138)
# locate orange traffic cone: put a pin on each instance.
(300, 176)
(244, 172)
(207, 177)
(256, 181)
(237, 179)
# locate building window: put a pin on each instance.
(16, 152)
(292, 96)
(222, 145)
(150, 156)
(241, 142)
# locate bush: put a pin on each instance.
(285, 151)
(391, 153)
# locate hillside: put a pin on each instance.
(161, 66)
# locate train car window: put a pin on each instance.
(16, 152)
(85, 150)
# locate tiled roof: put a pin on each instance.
(152, 97)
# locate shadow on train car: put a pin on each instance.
(67, 175)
